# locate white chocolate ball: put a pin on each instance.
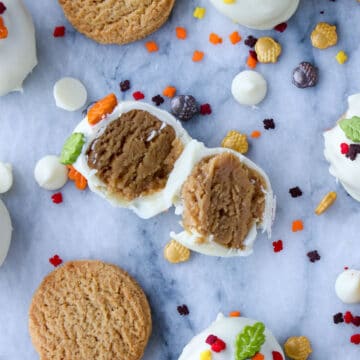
(347, 286)
(50, 174)
(249, 88)
(6, 177)
(70, 94)
(5, 233)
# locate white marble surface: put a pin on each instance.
(290, 294)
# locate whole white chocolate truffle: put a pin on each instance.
(249, 88)
(347, 286)
(18, 50)
(70, 94)
(227, 329)
(50, 174)
(5, 233)
(6, 177)
(257, 14)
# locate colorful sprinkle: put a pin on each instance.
(2, 8)
(181, 33)
(344, 148)
(59, 31)
(235, 314)
(158, 100)
(57, 198)
(281, 27)
(295, 192)
(215, 39)
(348, 317)
(354, 150)
(278, 246)
(218, 346)
(356, 321)
(169, 91)
(235, 37)
(355, 339)
(205, 355)
(55, 260)
(251, 61)
(338, 318)
(255, 134)
(138, 95)
(183, 310)
(198, 56)
(341, 57)
(205, 109)
(151, 46)
(211, 339)
(3, 29)
(199, 13)
(277, 356)
(313, 256)
(101, 109)
(269, 124)
(297, 225)
(125, 85)
(258, 356)
(79, 180)
(250, 41)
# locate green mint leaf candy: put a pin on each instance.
(72, 148)
(351, 128)
(249, 341)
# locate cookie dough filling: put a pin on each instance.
(135, 154)
(223, 198)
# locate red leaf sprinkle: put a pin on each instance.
(55, 260)
(138, 95)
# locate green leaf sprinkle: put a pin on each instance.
(249, 341)
(351, 128)
(72, 148)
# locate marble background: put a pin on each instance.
(290, 294)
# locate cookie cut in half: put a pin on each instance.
(89, 310)
(117, 21)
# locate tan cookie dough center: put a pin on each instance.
(223, 198)
(135, 154)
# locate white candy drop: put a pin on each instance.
(249, 88)
(347, 286)
(50, 174)
(6, 177)
(70, 94)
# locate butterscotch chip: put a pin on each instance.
(135, 154)
(175, 252)
(267, 50)
(298, 348)
(223, 198)
(324, 35)
(89, 310)
(117, 21)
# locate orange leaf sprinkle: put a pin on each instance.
(181, 33)
(102, 108)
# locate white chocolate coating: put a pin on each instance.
(341, 167)
(249, 88)
(144, 206)
(5, 233)
(194, 153)
(258, 14)
(6, 177)
(347, 286)
(18, 50)
(70, 94)
(50, 174)
(227, 329)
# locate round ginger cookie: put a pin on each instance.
(117, 21)
(89, 310)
